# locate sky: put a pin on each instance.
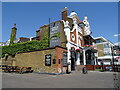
(29, 16)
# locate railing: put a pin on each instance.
(115, 68)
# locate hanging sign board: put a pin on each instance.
(48, 60)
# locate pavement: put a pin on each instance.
(74, 80)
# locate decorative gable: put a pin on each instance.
(73, 36)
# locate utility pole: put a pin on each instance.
(49, 32)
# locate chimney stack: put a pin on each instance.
(14, 25)
(13, 34)
(64, 13)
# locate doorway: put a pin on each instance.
(90, 57)
(73, 60)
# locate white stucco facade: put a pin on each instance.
(77, 45)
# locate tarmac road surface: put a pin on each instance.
(73, 80)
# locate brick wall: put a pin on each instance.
(8, 61)
(40, 33)
(59, 56)
(90, 67)
(63, 39)
(36, 60)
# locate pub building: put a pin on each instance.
(75, 36)
(71, 50)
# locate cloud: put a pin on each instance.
(118, 44)
(116, 35)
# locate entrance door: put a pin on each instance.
(90, 57)
(73, 58)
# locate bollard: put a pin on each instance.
(67, 71)
(84, 70)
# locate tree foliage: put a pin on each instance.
(24, 46)
(12, 49)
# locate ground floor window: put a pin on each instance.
(73, 60)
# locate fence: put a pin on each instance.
(115, 68)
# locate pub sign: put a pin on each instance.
(48, 60)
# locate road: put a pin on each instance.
(73, 80)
